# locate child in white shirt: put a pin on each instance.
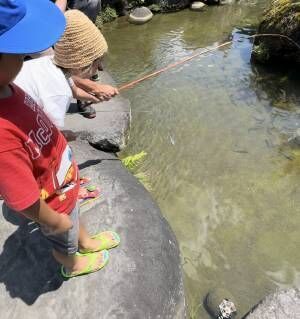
(49, 79)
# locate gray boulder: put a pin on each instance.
(109, 130)
(142, 280)
(140, 15)
(283, 304)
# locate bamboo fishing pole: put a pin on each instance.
(196, 54)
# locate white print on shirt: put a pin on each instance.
(41, 136)
(66, 174)
(29, 101)
(65, 165)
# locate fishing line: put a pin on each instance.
(129, 85)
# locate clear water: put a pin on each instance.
(216, 130)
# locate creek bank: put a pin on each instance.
(283, 17)
(111, 9)
(143, 278)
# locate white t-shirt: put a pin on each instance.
(48, 86)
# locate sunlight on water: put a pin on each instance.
(219, 161)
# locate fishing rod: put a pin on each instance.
(184, 60)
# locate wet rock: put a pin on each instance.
(140, 15)
(209, 2)
(283, 17)
(215, 300)
(110, 129)
(143, 278)
(172, 5)
(283, 304)
(119, 5)
(295, 137)
(198, 6)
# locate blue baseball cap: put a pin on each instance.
(29, 26)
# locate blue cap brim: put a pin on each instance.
(42, 25)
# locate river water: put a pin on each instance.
(216, 132)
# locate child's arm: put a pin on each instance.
(41, 213)
(62, 4)
(21, 192)
(103, 92)
(82, 95)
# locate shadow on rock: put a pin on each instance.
(27, 267)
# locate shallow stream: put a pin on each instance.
(219, 162)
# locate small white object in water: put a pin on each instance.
(210, 66)
(198, 6)
(172, 140)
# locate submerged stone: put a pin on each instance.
(217, 300)
(140, 15)
(283, 17)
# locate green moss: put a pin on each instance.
(136, 3)
(107, 15)
(99, 22)
(281, 8)
(132, 161)
(155, 8)
(278, 9)
(260, 52)
(283, 17)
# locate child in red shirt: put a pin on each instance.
(38, 175)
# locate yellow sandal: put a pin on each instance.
(92, 266)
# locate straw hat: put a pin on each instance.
(81, 44)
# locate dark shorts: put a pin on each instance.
(66, 243)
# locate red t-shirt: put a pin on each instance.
(35, 159)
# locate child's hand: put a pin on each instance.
(104, 92)
(54, 222)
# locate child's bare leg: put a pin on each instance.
(85, 241)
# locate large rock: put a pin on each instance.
(140, 15)
(283, 304)
(142, 280)
(109, 130)
(281, 18)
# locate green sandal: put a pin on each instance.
(91, 267)
(109, 239)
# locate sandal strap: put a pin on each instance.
(90, 267)
(109, 239)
